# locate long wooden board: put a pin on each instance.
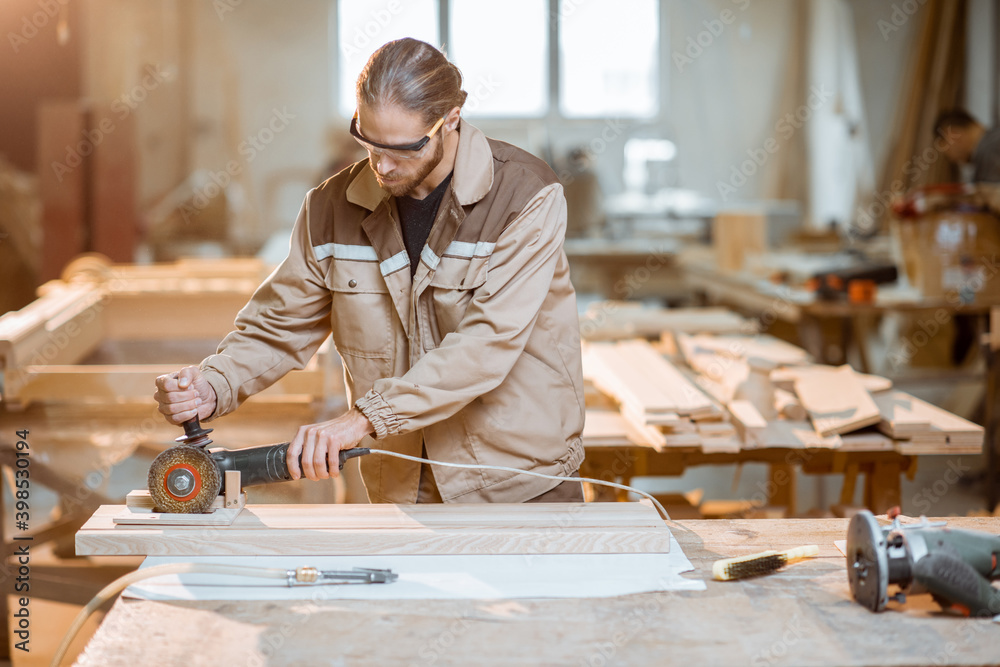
(907, 417)
(556, 528)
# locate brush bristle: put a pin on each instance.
(755, 567)
(749, 566)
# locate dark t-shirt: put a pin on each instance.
(416, 217)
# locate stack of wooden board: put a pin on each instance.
(747, 392)
(657, 400)
(925, 428)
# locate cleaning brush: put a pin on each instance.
(756, 565)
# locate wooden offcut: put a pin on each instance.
(784, 378)
(747, 419)
(837, 402)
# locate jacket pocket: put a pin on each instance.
(361, 314)
(448, 295)
(526, 422)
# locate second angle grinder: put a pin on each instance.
(954, 566)
(188, 478)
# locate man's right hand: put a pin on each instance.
(184, 395)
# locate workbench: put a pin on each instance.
(882, 469)
(802, 615)
(797, 306)
(68, 376)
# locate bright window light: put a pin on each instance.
(608, 58)
(365, 25)
(501, 48)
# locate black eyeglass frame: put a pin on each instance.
(415, 146)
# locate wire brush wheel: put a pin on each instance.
(184, 480)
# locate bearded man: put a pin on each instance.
(438, 266)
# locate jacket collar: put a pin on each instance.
(473, 176)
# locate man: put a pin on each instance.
(968, 142)
(438, 265)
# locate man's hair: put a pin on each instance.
(953, 118)
(413, 75)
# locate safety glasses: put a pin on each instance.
(408, 152)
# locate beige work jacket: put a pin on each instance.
(477, 358)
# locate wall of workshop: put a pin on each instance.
(35, 67)
(134, 54)
(262, 96)
(248, 61)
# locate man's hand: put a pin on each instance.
(320, 445)
(185, 394)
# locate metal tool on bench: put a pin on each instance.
(954, 566)
(188, 478)
(359, 575)
(837, 285)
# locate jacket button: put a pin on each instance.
(352, 283)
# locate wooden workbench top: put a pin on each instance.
(802, 615)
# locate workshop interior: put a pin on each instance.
(234, 430)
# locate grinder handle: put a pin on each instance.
(266, 464)
(956, 584)
(194, 434)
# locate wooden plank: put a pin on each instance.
(836, 401)
(640, 430)
(651, 391)
(788, 405)
(616, 320)
(725, 373)
(795, 435)
(601, 366)
(61, 327)
(785, 377)
(139, 499)
(687, 398)
(393, 529)
(749, 423)
(906, 416)
(605, 428)
(760, 345)
(131, 516)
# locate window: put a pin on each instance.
(503, 65)
(365, 25)
(607, 52)
(608, 58)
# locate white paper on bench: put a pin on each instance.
(435, 577)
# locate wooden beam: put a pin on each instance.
(393, 529)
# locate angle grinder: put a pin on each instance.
(188, 478)
(954, 566)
